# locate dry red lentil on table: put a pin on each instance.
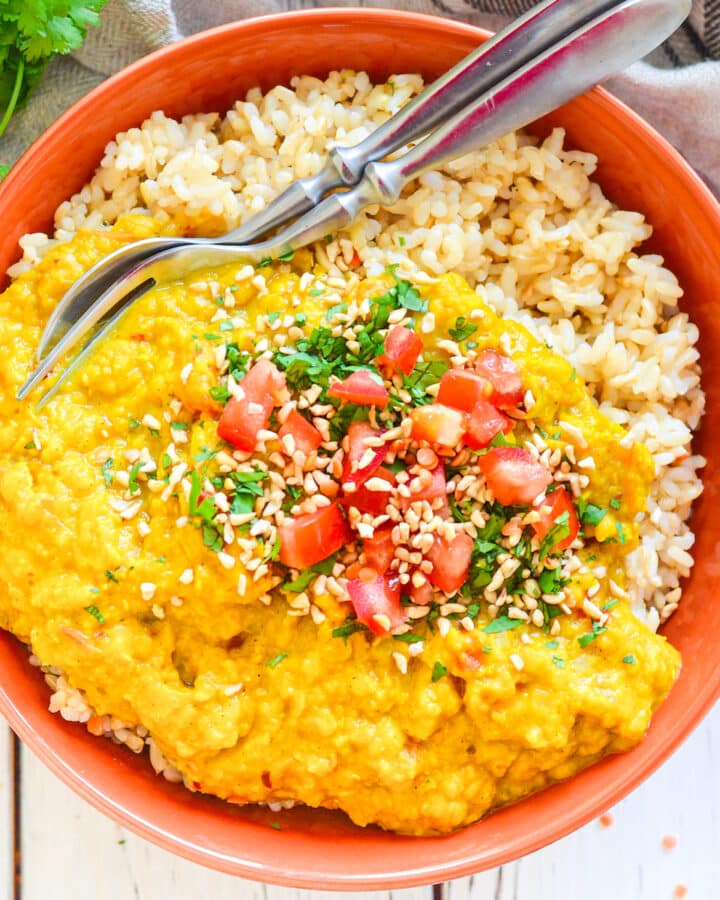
(411, 531)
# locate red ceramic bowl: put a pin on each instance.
(640, 171)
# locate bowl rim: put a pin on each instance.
(637, 768)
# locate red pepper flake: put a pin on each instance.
(266, 779)
(669, 842)
(606, 820)
(355, 261)
(138, 337)
(680, 892)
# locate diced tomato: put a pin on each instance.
(513, 475)
(264, 387)
(462, 389)
(377, 601)
(360, 388)
(436, 489)
(484, 422)
(379, 549)
(422, 595)
(504, 376)
(308, 539)
(402, 348)
(451, 562)
(438, 424)
(306, 436)
(373, 502)
(353, 473)
(560, 502)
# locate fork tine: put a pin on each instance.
(101, 333)
(92, 284)
(90, 317)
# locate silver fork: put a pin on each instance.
(607, 43)
(489, 64)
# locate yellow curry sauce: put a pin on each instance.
(248, 702)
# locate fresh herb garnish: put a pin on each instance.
(408, 638)
(462, 330)
(95, 613)
(502, 623)
(133, 485)
(106, 473)
(111, 576)
(590, 636)
(615, 503)
(629, 660)
(559, 662)
(439, 670)
(589, 513)
(352, 626)
(423, 376)
(32, 33)
(276, 660)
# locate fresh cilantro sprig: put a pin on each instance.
(32, 33)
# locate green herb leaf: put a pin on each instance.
(463, 329)
(439, 670)
(226, 325)
(552, 645)
(408, 638)
(286, 256)
(220, 393)
(95, 613)
(276, 660)
(615, 503)
(298, 585)
(111, 576)
(589, 513)
(559, 662)
(590, 636)
(629, 660)
(502, 623)
(106, 473)
(352, 626)
(133, 485)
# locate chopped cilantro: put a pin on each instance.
(272, 317)
(590, 636)
(30, 446)
(352, 626)
(629, 660)
(301, 318)
(408, 638)
(276, 826)
(559, 662)
(166, 461)
(559, 531)
(212, 539)
(298, 585)
(276, 660)
(334, 310)
(133, 485)
(209, 336)
(226, 325)
(589, 513)
(610, 604)
(551, 581)
(106, 473)
(294, 493)
(439, 670)
(573, 375)
(95, 613)
(205, 454)
(220, 393)
(421, 378)
(502, 623)
(264, 262)
(133, 422)
(401, 239)
(179, 426)
(615, 503)
(286, 256)
(111, 576)
(620, 532)
(463, 329)
(552, 645)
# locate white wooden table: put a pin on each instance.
(53, 846)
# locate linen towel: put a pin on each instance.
(677, 89)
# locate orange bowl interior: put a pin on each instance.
(639, 171)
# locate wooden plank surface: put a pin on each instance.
(6, 812)
(625, 861)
